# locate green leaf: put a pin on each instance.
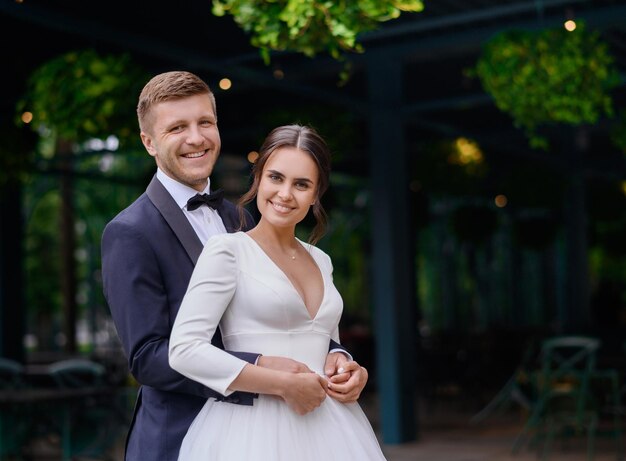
(311, 26)
(82, 94)
(549, 76)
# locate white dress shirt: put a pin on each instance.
(205, 220)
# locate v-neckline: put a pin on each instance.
(257, 245)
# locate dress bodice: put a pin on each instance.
(267, 314)
(236, 284)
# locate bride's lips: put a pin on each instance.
(280, 207)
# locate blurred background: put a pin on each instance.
(477, 203)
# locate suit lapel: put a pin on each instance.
(174, 216)
(228, 217)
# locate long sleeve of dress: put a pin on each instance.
(210, 290)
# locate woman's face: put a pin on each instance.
(287, 187)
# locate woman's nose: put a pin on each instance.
(285, 191)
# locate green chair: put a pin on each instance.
(76, 373)
(11, 374)
(80, 419)
(565, 405)
(518, 388)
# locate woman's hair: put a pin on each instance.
(309, 141)
(169, 86)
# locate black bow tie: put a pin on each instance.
(213, 200)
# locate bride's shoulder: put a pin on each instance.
(226, 241)
(318, 254)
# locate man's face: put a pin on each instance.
(184, 139)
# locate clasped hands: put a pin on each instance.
(344, 381)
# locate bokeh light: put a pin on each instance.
(27, 117)
(253, 156)
(501, 200)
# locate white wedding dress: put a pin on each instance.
(258, 310)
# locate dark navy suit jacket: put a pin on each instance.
(148, 254)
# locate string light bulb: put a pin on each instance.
(570, 25)
(225, 84)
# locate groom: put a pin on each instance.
(148, 254)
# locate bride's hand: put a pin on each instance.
(304, 392)
(282, 364)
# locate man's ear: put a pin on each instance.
(146, 139)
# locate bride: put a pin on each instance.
(270, 292)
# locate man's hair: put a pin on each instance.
(169, 86)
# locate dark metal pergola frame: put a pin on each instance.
(446, 30)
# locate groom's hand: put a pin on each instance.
(282, 364)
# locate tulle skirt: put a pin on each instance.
(270, 431)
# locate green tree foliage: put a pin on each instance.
(548, 76)
(82, 95)
(74, 99)
(311, 26)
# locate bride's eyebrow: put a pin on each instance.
(278, 173)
